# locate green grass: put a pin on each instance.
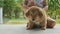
(21, 21)
(15, 21)
(58, 21)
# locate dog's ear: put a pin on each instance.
(40, 14)
(27, 14)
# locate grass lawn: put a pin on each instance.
(58, 21)
(21, 21)
(15, 21)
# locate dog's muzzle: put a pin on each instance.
(36, 22)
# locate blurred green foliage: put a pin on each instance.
(1, 3)
(53, 8)
(13, 8)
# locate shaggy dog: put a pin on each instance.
(37, 17)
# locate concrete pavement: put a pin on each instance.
(21, 29)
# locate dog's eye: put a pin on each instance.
(38, 14)
(30, 14)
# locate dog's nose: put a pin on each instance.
(33, 19)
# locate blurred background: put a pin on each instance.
(13, 12)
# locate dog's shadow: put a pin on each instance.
(39, 29)
(35, 29)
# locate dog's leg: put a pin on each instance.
(27, 24)
(43, 24)
(30, 25)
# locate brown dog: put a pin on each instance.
(36, 16)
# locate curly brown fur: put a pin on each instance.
(36, 16)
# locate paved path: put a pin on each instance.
(21, 29)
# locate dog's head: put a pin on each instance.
(34, 13)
